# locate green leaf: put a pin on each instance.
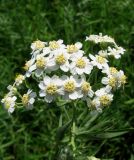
(131, 101)
(111, 134)
(61, 130)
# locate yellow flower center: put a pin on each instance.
(112, 82)
(85, 87)
(60, 59)
(71, 49)
(69, 86)
(27, 65)
(40, 62)
(123, 79)
(53, 45)
(51, 89)
(8, 103)
(39, 44)
(25, 99)
(19, 78)
(93, 104)
(100, 59)
(80, 63)
(113, 70)
(104, 100)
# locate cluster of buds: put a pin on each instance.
(65, 72)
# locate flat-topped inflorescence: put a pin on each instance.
(69, 73)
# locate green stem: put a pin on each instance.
(73, 130)
(73, 138)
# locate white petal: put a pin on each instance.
(72, 65)
(41, 85)
(78, 45)
(99, 66)
(64, 77)
(92, 57)
(33, 95)
(73, 95)
(32, 68)
(11, 109)
(64, 67)
(46, 50)
(88, 69)
(47, 80)
(105, 80)
(91, 93)
(28, 74)
(54, 68)
(29, 91)
(108, 89)
(60, 41)
(61, 91)
(80, 94)
(32, 100)
(79, 71)
(49, 99)
(51, 63)
(14, 98)
(42, 94)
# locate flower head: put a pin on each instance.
(28, 99)
(9, 103)
(116, 52)
(38, 45)
(50, 88)
(86, 89)
(54, 45)
(100, 39)
(70, 87)
(19, 79)
(80, 64)
(99, 61)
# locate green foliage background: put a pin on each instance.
(33, 135)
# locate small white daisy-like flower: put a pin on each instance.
(110, 71)
(41, 63)
(9, 103)
(94, 104)
(100, 39)
(80, 65)
(28, 99)
(104, 95)
(50, 88)
(19, 79)
(103, 53)
(74, 48)
(38, 45)
(106, 99)
(99, 61)
(70, 87)
(54, 45)
(86, 89)
(60, 60)
(122, 79)
(116, 52)
(28, 64)
(110, 81)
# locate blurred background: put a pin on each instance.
(31, 135)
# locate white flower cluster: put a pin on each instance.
(64, 71)
(115, 51)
